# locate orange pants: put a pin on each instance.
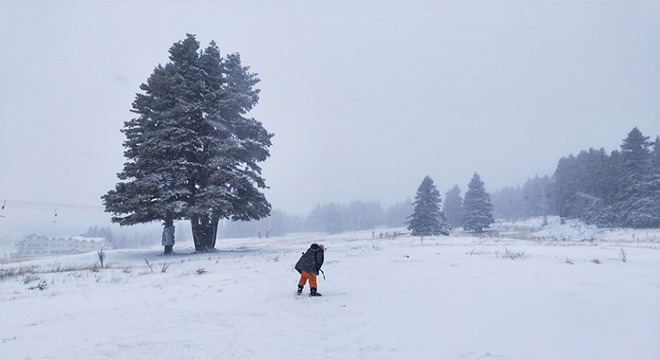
(304, 276)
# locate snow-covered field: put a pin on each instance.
(453, 297)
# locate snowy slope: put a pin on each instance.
(446, 298)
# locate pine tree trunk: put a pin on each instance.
(204, 230)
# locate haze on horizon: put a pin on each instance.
(364, 98)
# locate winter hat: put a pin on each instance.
(314, 246)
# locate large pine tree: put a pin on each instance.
(635, 202)
(477, 206)
(192, 154)
(427, 218)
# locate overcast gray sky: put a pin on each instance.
(364, 98)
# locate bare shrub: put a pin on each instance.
(12, 272)
(623, 256)
(569, 261)
(149, 265)
(101, 256)
(41, 286)
(164, 268)
(72, 268)
(5, 273)
(30, 273)
(200, 271)
(513, 255)
(475, 251)
(595, 261)
(6, 340)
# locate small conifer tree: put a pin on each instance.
(427, 217)
(477, 206)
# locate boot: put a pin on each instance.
(313, 292)
(300, 288)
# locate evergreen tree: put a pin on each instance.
(453, 207)
(477, 206)
(655, 158)
(427, 217)
(192, 154)
(634, 199)
(654, 184)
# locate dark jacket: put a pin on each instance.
(311, 261)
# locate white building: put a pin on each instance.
(36, 245)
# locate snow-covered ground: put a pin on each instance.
(563, 296)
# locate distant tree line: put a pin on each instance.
(425, 216)
(335, 218)
(535, 198)
(278, 223)
(125, 238)
(99, 232)
(619, 189)
(329, 218)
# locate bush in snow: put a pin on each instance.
(149, 265)
(513, 255)
(623, 255)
